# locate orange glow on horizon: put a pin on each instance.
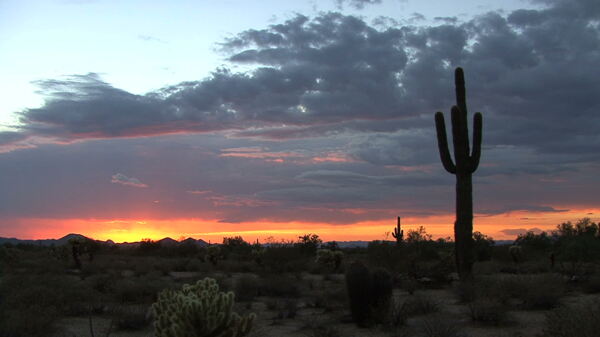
(130, 230)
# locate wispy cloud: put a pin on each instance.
(122, 179)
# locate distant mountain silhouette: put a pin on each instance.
(71, 236)
(198, 242)
(168, 242)
(165, 242)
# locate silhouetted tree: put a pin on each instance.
(309, 243)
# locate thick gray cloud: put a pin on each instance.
(336, 114)
(528, 71)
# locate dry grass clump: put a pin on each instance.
(420, 305)
(131, 318)
(488, 312)
(538, 291)
(437, 326)
(279, 286)
(576, 321)
(246, 288)
(532, 292)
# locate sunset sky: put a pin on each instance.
(143, 119)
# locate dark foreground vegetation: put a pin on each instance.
(546, 284)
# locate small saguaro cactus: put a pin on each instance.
(464, 165)
(398, 233)
(198, 310)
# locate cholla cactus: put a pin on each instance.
(213, 254)
(330, 258)
(258, 254)
(198, 310)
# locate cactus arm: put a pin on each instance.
(442, 139)
(476, 154)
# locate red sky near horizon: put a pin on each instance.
(213, 231)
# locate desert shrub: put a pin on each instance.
(387, 254)
(138, 290)
(237, 266)
(284, 257)
(335, 298)
(195, 264)
(439, 327)
(482, 245)
(410, 285)
(279, 286)
(284, 308)
(31, 303)
(466, 291)
(246, 288)
(488, 311)
(592, 284)
(322, 330)
(235, 247)
(329, 298)
(420, 305)
(540, 291)
(438, 271)
(397, 315)
(131, 318)
(32, 320)
(103, 283)
(575, 321)
(486, 267)
(67, 294)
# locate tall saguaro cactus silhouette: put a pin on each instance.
(466, 162)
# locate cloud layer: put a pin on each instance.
(334, 123)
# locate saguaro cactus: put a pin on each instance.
(466, 162)
(398, 233)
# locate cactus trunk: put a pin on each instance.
(463, 226)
